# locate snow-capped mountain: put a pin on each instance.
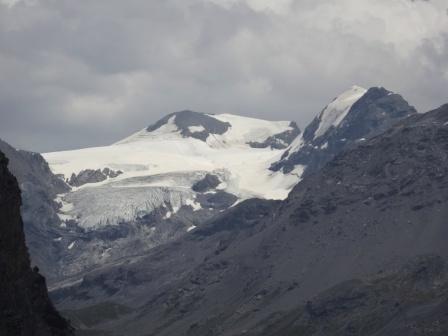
(350, 119)
(173, 176)
(363, 239)
(164, 181)
(160, 164)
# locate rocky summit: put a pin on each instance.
(350, 119)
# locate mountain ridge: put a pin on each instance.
(141, 192)
(370, 208)
(367, 113)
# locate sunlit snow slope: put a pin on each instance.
(159, 165)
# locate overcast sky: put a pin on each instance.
(86, 73)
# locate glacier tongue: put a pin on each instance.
(125, 200)
(102, 206)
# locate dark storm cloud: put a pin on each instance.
(89, 73)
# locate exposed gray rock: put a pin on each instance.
(281, 140)
(39, 210)
(111, 173)
(186, 119)
(209, 182)
(219, 200)
(92, 176)
(25, 308)
(86, 176)
(31, 168)
(376, 111)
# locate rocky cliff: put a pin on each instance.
(25, 308)
(39, 188)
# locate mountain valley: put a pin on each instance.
(207, 224)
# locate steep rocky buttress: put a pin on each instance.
(25, 308)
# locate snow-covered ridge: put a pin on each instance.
(160, 165)
(237, 130)
(331, 116)
(337, 110)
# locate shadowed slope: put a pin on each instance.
(25, 308)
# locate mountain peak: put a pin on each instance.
(336, 111)
(191, 124)
(352, 117)
(219, 130)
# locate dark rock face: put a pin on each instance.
(279, 141)
(368, 211)
(219, 200)
(209, 181)
(375, 112)
(186, 119)
(25, 308)
(31, 168)
(39, 188)
(111, 173)
(92, 176)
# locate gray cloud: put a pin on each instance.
(89, 73)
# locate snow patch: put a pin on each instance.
(176, 208)
(72, 245)
(105, 253)
(295, 145)
(244, 130)
(337, 110)
(191, 228)
(221, 186)
(195, 205)
(298, 171)
(196, 129)
(64, 211)
(168, 130)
